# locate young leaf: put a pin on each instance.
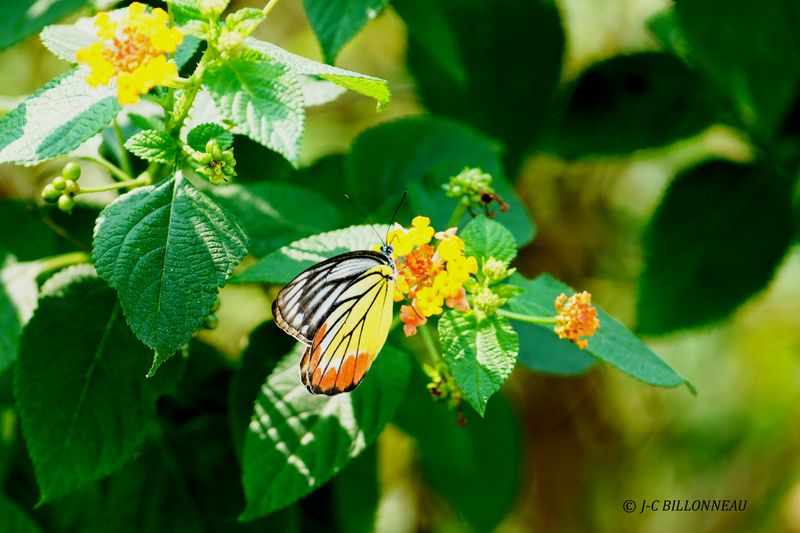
(423, 153)
(32, 132)
(83, 410)
(485, 238)
(21, 19)
(476, 467)
(185, 11)
(297, 441)
(367, 85)
(18, 294)
(282, 265)
(632, 102)
(336, 21)
(263, 99)
(202, 133)
(276, 214)
(153, 145)
(612, 342)
(701, 263)
(480, 354)
(167, 249)
(542, 351)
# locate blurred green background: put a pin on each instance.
(592, 441)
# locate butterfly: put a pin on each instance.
(341, 309)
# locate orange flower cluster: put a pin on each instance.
(429, 276)
(577, 318)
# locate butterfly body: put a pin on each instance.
(341, 308)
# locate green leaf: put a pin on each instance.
(612, 342)
(276, 214)
(64, 40)
(166, 249)
(357, 515)
(477, 467)
(282, 265)
(511, 52)
(18, 294)
(631, 102)
(297, 440)
(750, 51)
(542, 351)
(367, 85)
(267, 345)
(184, 11)
(21, 19)
(716, 239)
(336, 21)
(245, 20)
(14, 518)
(263, 99)
(202, 133)
(83, 412)
(31, 238)
(152, 145)
(423, 153)
(32, 132)
(485, 238)
(479, 353)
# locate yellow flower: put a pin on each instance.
(577, 318)
(429, 301)
(133, 47)
(450, 246)
(461, 267)
(446, 284)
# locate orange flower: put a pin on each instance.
(577, 318)
(411, 320)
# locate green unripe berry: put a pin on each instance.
(213, 149)
(227, 156)
(71, 171)
(211, 321)
(202, 158)
(60, 183)
(66, 203)
(71, 188)
(216, 305)
(50, 194)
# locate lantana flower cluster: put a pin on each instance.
(430, 276)
(576, 318)
(132, 49)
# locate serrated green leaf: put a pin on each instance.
(477, 467)
(336, 21)
(186, 50)
(167, 249)
(184, 11)
(263, 99)
(423, 153)
(480, 354)
(83, 412)
(297, 440)
(14, 518)
(32, 132)
(484, 238)
(21, 19)
(492, 39)
(202, 133)
(64, 40)
(629, 103)
(18, 294)
(282, 265)
(361, 83)
(152, 145)
(612, 342)
(244, 21)
(715, 239)
(542, 351)
(276, 214)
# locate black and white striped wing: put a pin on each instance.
(304, 303)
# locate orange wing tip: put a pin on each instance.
(348, 377)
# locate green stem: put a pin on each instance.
(184, 102)
(458, 212)
(529, 319)
(138, 182)
(57, 262)
(430, 344)
(125, 161)
(271, 4)
(108, 165)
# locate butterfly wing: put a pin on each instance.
(341, 308)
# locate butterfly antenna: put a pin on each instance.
(360, 212)
(396, 209)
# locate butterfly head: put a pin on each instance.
(387, 250)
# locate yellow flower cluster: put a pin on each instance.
(576, 318)
(132, 47)
(430, 277)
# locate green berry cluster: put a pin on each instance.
(212, 321)
(473, 189)
(63, 188)
(216, 164)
